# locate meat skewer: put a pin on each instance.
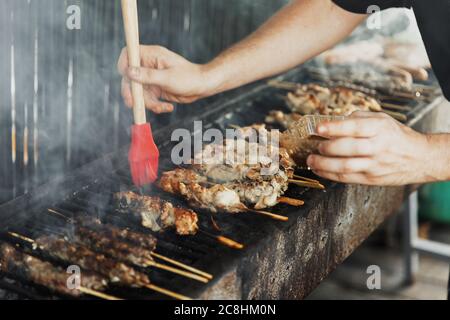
(152, 209)
(335, 100)
(132, 247)
(134, 239)
(252, 172)
(218, 198)
(124, 252)
(116, 272)
(157, 214)
(13, 261)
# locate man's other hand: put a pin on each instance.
(373, 149)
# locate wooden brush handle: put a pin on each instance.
(131, 23)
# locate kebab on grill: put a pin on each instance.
(312, 99)
(147, 209)
(123, 251)
(157, 214)
(92, 234)
(236, 183)
(115, 272)
(132, 240)
(336, 101)
(43, 273)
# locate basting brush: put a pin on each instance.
(144, 154)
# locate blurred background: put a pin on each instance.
(58, 85)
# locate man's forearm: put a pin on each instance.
(437, 160)
(297, 33)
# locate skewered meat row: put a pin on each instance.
(157, 214)
(116, 272)
(336, 101)
(232, 162)
(146, 241)
(121, 251)
(390, 81)
(285, 120)
(232, 197)
(236, 174)
(13, 261)
(214, 199)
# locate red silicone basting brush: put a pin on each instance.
(144, 155)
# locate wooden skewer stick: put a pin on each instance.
(177, 271)
(291, 201)
(269, 214)
(82, 289)
(283, 84)
(182, 265)
(393, 106)
(307, 184)
(396, 115)
(167, 292)
(224, 240)
(297, 177)
(21, 237)
(98, 294)
(149, 263)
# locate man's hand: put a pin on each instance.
(374, 149)
(167, 77)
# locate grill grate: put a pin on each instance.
(92, 195)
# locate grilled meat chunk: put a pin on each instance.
(116, 272)
(239, 160)
(117, 249)
(336, 101)
(215, 198)
(146, 241)
(13, 261)
(157, 214)
(284, 120)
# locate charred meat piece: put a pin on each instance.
(284, 120)
(260, 194)
(336, 101)
(116, 272)
(119, 250)
(146, 241)
(240, 160)
(377, 77)
(13, 261)
(157, 214)
(231, 197)
(215, 199)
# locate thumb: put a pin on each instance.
(148, 76)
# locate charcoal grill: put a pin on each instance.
(280, 260)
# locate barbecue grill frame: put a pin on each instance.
(246, 274)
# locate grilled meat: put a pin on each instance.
(119, 250)
(215, 198)
(284, 120)
(116, 272)
(13, 261)
(390, 81)
(232, 197)
(336, 101)
(232, 162)
(261, 194)
(157, 214)
(146, 241)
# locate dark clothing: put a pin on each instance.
(433, 18)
